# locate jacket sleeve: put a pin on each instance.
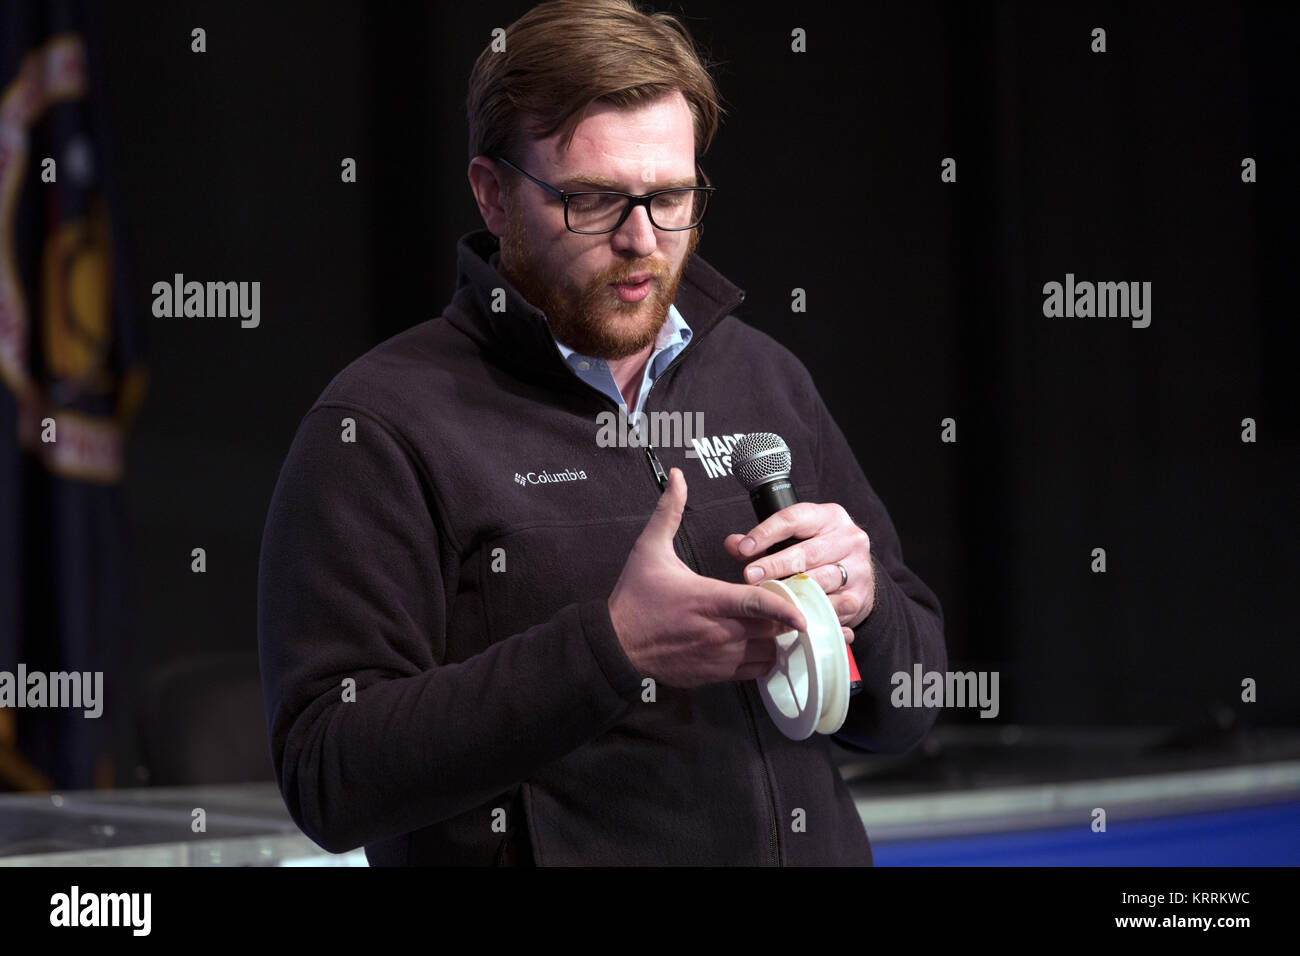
(351, 589)
(904, 628)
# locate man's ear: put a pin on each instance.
(492, 193)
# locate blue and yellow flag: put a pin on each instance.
(71, 378)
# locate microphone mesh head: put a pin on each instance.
(760, 457)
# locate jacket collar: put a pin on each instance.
(519, 338)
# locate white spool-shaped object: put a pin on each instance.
(807, 689)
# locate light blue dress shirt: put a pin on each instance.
(673, 337)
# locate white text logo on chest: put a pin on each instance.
(549, 477)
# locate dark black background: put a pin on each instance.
(924, 299)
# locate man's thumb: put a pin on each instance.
(668, 513)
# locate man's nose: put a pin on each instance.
(636, 237)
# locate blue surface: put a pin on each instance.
(1266, 835)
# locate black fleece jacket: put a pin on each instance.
(443, 684)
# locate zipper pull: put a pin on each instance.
(660, 475)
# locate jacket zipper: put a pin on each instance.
(774, 829)
(661, 479)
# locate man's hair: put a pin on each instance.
(564, 55)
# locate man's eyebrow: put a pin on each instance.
(600, 182)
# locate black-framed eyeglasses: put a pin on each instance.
(598, 211)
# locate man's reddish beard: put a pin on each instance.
(593, 321)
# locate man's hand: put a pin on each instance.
(684, 629)
(830, 538)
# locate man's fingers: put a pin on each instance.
(804, 519)
(751, 671)
(668, 513)
(761, 650)
(731, 544)
(742, 600)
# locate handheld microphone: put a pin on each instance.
(761, 462)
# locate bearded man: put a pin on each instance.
(488, 638)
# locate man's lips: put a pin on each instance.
(635, 280)
(633, 291)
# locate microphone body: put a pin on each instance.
(761, 462)
(769, 498)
